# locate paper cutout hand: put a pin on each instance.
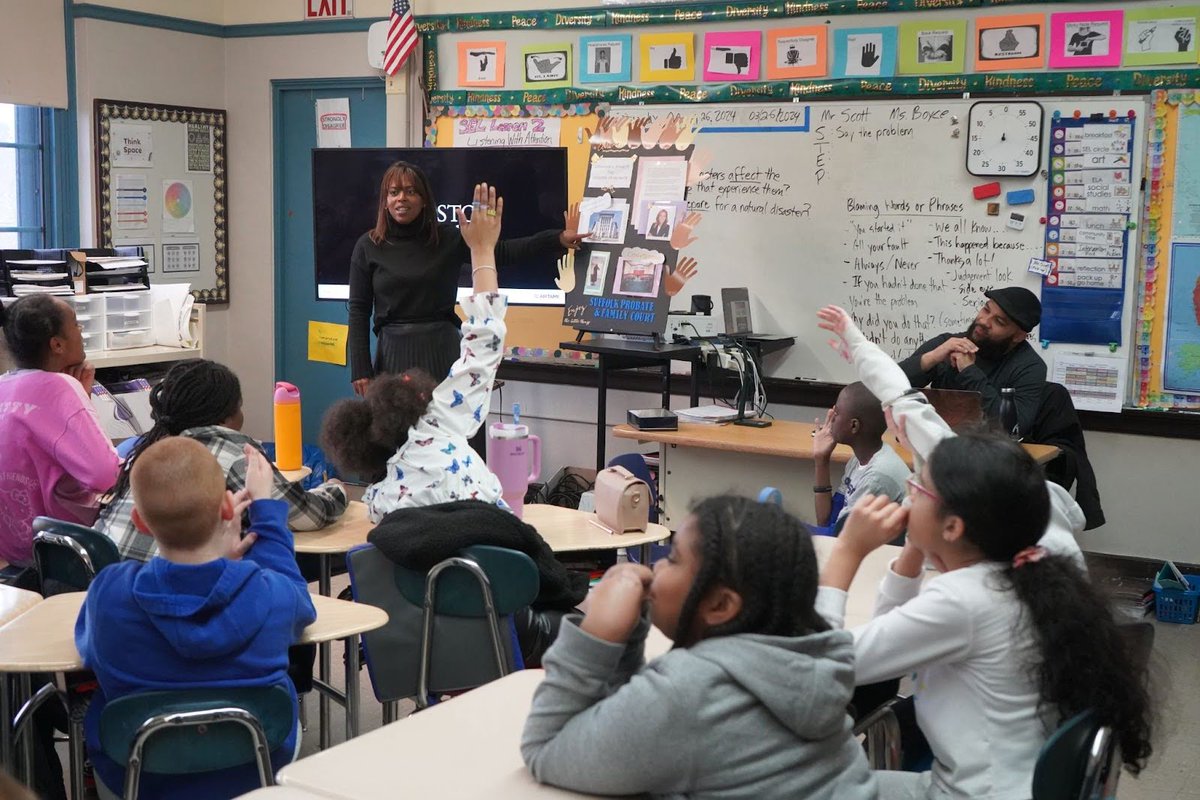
(671, 132)
(690, 128)
(654, 131)
(566, 272)
(684, 271)
(571, 237)
(681, 237)
(620, 131)
(698, 166)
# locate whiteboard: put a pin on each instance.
(866, 204)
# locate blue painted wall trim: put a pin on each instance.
(277, 88)
(297, 28)
(63, 226)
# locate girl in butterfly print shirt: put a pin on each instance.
(431, 459)
(437, 464)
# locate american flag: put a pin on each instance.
(401, 37)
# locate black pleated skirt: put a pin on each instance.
(431, 346)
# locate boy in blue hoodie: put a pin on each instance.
(213, 609)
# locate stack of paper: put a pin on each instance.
(22, 289)
(116, 262)
(708, 414)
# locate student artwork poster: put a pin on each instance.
(934, 47)
(1085, 39)
(1012, 42)
(864, 53)
(1161, 35)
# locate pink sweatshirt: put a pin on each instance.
(54, 457)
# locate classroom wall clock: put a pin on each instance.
(1004, 138)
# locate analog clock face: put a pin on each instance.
(1004, 139)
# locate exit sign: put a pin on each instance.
(328, 9)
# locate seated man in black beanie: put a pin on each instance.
(993, 354)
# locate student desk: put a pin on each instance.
(745, 460)
(568, 529)
(279, 793)
(467, 747)
(43, 640)
(13, 603)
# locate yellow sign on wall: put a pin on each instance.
(327, 342)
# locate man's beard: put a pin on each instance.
(988, 349)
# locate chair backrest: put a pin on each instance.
(67, 556)
(196, 730)
(1074, 759)
(461, 655)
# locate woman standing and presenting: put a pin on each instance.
(405, 270)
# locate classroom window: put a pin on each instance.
(23, 195)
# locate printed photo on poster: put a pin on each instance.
(1161, 35)
(608, 226)
(1085, 39)
(1010, 42)
(547, 66)
(864, 52)
(796, 53)
(731, 55)
(605, 59)
(639, 272)
(662, 222)
(481, 64)
(131, 198)
(596, 273)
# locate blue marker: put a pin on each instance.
(1020, 197)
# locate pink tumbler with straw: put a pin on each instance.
(515, 458)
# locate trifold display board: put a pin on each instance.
(869, 205)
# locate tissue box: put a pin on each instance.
(124, 408)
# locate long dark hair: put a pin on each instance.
(1083, 662)
(394, 175)
(359, 435)
(765, 555)
(193, 393)
(29, 325)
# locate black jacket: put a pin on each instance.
(1057, 423)
(418, 538)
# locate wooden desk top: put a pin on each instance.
(349, 530)
(43, 638)
(567, 529)
(784, 438)
(564, 529)
(465, 748)
(15, 602)
(279, 793)
(295, 475)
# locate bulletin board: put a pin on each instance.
(162, 185)
(1168, 329)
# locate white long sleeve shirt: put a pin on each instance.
(963, 635)
(436, 464)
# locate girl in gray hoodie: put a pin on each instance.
(750, 703)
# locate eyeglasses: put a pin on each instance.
(915, 488)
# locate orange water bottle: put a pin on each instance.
(288, 453)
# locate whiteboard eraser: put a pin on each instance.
(1020, 197)
(986, 190)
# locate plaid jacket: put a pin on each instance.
(307, 510)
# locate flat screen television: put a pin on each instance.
(532, 181)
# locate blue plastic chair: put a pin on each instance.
(838, 502)
(67, 556)
(444, 630)
(1076, 762)
(196, 730)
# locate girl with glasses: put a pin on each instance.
(1010, 639)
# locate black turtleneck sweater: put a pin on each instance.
(407, 279)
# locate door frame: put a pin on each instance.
(278, 87)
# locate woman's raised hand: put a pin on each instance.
(482, 230)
